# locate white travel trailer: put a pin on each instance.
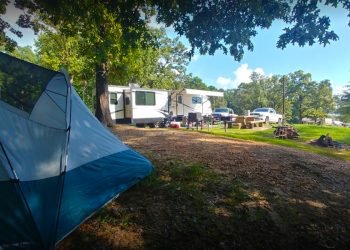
(191, 101)
(137, 105)
(132, 104)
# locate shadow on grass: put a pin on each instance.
(189, 206)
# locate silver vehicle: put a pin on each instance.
(267, 115)
(223, 114)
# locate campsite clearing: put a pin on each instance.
(214, 192)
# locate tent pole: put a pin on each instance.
(63, 173)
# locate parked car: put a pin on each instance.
(267, 115)
(223, 114)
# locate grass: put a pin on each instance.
(180, 206)
(306, 132)
(186, 205)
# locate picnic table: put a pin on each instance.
(243, 122)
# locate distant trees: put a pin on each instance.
(57, 51)
(303, 97)
(25, 53)
(162, 67)
(344, 104)
(110, 27)
(321, 101)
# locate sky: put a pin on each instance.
(331, 62)
(222, 71)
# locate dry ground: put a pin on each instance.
(283, 198)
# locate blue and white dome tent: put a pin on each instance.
(58, 163)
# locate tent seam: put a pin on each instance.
(54, 101)
(16, 181)
(63, 173)
(47, 90)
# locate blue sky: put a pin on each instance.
(331, 62)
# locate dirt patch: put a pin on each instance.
(315, 186)
(255, 162)
(262, 196)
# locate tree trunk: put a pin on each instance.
(300, 111)
(102, 112)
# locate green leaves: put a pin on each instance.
(303, 97)
(230, 25)
(209, 25)
(344, 104)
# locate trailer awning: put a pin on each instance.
(204, 92)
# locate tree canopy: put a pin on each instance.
(111, 28)
(230, 25)
(163, 67)
(303, 96)
(209, 25)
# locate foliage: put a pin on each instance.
(25, 53)
(162, 68)
(309, 98)
(260, 92)
(194, 82)
(208, 25)
(57, 51)
(105, 29)
(222, 25)
(322, 102)
(344, 105)
(303, 97)
(109, 28)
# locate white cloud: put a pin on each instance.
(195, 58)
(154, 24)
(260, 71)
(176, 72)
(224, 82)
(243, 73)
(338, 90)
(240, 75)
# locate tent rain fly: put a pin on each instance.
(53, 176)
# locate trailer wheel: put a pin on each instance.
(140, 125)
(154, 125)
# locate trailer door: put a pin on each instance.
(116, 105)
(128, 105)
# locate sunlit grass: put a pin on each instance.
(306, 132)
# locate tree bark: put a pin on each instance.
(102, 112)
(300, 111)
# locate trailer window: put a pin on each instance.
(145, 98)
(196, 99)
(179, 99)
(113, 98)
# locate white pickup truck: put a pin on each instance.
(267, 115)
(223, 114)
